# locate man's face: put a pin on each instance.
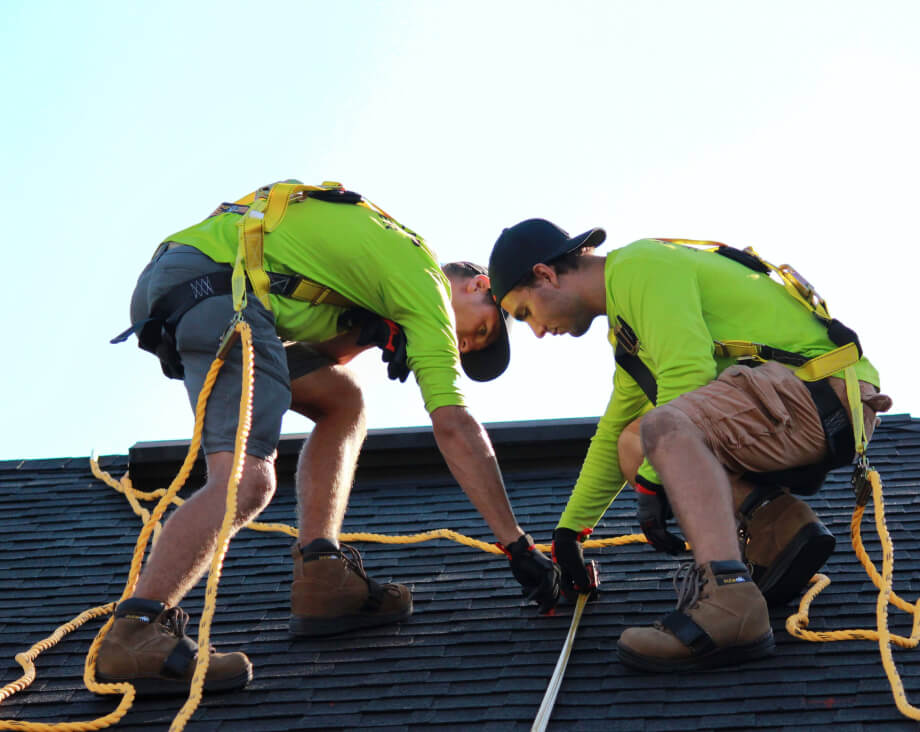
(478, 320)
(548, 306)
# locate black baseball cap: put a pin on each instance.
(490, 362)
(531, 242)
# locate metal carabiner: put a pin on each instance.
(862, 486)
(230, 336)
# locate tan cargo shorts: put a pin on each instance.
(763, 419)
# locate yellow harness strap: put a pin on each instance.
(267, 207)
(854, 398)
(815, 369)
(820, 367)
(317, 294)
(249, 256)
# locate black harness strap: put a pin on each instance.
(177, 662)
(838, 432)
(743, 257)
(157, 334)
(625, 354)
(641, 373)
(688, 632)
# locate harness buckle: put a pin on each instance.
(626, 336)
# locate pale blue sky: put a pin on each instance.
(789, 126)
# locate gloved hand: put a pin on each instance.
(380, 332)
(567, 553)
(538, 576)
(653, 512)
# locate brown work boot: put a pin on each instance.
(721, 618)
(147, 647)
(783, 543)
(332, 593)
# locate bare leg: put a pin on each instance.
(631, 455)
(332, 399)
(697, 485)
(189, 538)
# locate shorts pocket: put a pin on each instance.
(762, 385)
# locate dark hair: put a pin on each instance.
(568, 262)
(466, 270)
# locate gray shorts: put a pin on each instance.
(303, 358)
(198, 336)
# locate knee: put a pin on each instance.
(349, 397)
(330, 393)
(257, 487)
(662, 425)
(345, 402)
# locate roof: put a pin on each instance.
(470, 657)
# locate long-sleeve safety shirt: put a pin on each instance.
(678, 300)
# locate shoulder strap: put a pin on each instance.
(626, 355)
(641, 374)
(266, 209)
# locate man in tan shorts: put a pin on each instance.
(698, 431)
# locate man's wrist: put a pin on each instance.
(507, 538)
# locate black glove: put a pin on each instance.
(567, 553)
(538, 576)
(380, 332)
(653, 512)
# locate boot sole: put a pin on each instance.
(152, 686)
(307, 627)
(796, 564)
(725, 656)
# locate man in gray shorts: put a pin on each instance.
(704, 420)
(341, 276)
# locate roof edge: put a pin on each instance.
(402, 448)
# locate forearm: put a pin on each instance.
(599, 482)
(601, 477)
(469, 455)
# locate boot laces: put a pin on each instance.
(688, 582)
(175, 620)
(354, 561)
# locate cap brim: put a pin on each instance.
(592, 238)
(490, 362)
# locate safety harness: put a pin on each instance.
(843, 439)
(261, 212)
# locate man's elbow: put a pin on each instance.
(451, 422)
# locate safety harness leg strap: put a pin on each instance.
(827, 364)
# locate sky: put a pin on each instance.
(789, 126)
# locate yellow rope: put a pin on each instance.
(125, 487)
(151, 523)
(26, 659)
(223, 538)
(796, 624)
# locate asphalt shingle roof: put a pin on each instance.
(470, 657)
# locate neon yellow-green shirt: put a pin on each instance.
(370, 260)
(679, 300)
